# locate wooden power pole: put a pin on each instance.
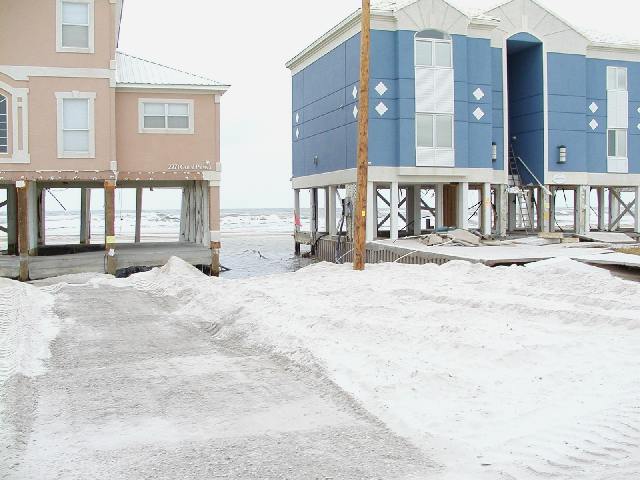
(360, 221)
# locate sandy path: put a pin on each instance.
(132, 392)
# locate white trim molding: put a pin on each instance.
(91, 97)
(19, 115)
(166, 101)
(60, 48)
(23, 72)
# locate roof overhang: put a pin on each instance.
(215, 89)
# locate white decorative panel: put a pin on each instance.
(297, 133)
(478, 94)
(444, 89)
(617, 165)
(593, 124)
(381, 88)
(432, 157)
(354, 92)
(381, 108)
(355, 112)
(478, 113)
(425, 87)
(639, 126)
(593, 107)
(617, 109)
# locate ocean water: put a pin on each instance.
(255, 241)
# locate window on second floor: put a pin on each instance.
(617, 143)
(75, 26)
(434, 131)
(76, 125)
(4, 126)
(166, 116)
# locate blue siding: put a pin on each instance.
(497, 134)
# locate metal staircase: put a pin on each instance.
(524, 198)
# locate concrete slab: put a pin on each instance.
(133, 392)
(607, 237)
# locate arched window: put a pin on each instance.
(433, 49)
(4, 129)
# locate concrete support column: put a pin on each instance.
(110, 226)
(417, 210)
(614, 210)
(85, 216)
(502, 208)
(332, 194)
(486, 210)
(138, 214)
(583, 209)
(636, 211)
(393, 199)
(296, 218)
(372, 213)
(512, 212)
(602, 218)
(439, 205)
(214, 228)
(544, 210)
(12, 220)
(23, 228)
(463, 206)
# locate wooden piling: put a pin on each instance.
(85, 216)
(138, 214)
(23, 229)
(110, 226)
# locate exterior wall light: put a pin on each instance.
(494, 152)
(315, 160)
(562, 154)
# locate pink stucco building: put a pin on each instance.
(74, 112)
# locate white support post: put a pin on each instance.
(582, 209)
(138, 215)
(487, 210)
(636, 211)
(372, 212)
(439, 206)
(417, 210)
(502, 198)
(314, 212)
(614, 210)
(602, 218)
(331, 210)
(393, 199)
(463, 205)
(544, 210)
(296, 218)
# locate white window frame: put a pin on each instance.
(5, 99)
(433, 42)
(617, 86)
(91, 97)
(618, 143)
(171, 131)
(435, 132)
(61, 48)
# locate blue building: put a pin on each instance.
(514, 104)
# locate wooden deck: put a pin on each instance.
(128, 255)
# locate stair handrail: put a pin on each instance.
(546, 190)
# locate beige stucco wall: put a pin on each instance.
(153, 152)
(28, 35)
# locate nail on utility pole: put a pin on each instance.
(360, 225)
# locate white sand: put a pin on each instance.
(505, 373)
(519, 372)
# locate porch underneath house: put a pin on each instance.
(30, 252)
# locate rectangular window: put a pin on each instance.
(617, 143)
(431, 53)
(617, 78)
(434, 131)
(166, 116)
(75, 30)
(76, 124)
(4, 128)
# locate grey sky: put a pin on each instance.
(247, 44)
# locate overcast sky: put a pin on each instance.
(246, 43)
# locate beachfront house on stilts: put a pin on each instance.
(512, 107)
(75, 113)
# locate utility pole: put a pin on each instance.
(360, 222)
